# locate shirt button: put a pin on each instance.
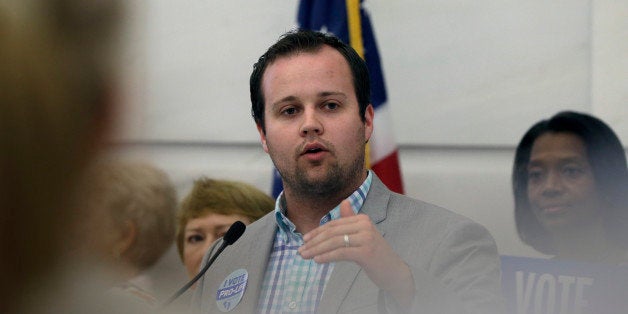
(292, 305)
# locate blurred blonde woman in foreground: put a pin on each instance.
(57, 78)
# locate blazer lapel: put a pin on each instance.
(376, 203)
(345, 273)
(255, 264)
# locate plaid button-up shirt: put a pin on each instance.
(291, 283)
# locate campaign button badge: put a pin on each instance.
(231, 290)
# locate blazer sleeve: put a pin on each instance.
(463, 276)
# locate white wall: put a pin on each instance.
(465, 79)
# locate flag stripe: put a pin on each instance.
(355, 26)
(355, 39)
(387, 170)
(382, 141)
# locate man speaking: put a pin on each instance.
(339, 241)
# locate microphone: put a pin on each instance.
(233, 234)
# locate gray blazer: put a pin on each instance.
(454, 262)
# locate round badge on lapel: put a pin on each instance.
(231, 290)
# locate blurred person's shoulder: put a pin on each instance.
(84, 289)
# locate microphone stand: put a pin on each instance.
(233, 234)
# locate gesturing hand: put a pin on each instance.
(354, 238)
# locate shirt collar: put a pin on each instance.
(356, 199)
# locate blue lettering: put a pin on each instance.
(230, 291)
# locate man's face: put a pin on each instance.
(561, 186)
(314, 133)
